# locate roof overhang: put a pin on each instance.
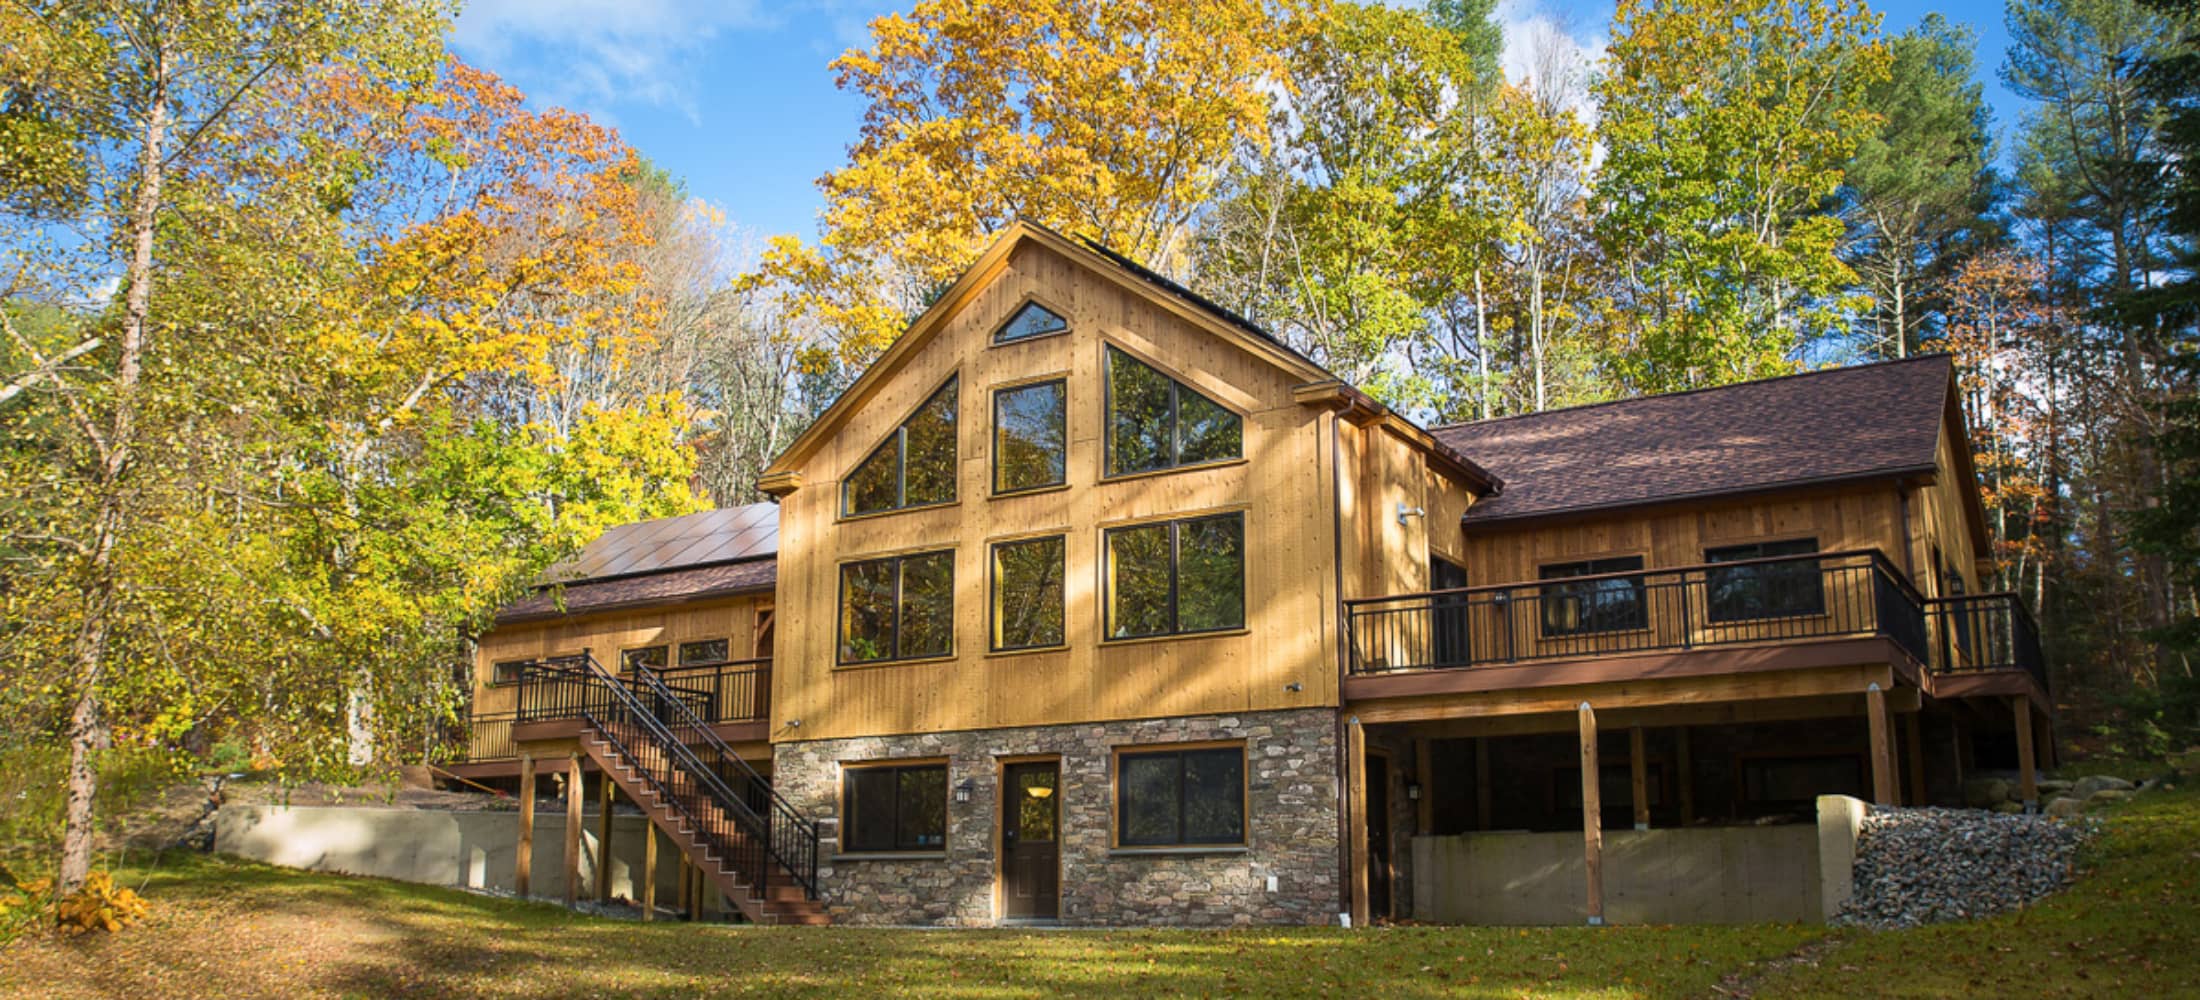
(1470, 521)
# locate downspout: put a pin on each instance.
(1336, 543)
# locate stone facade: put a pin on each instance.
(1291, 767)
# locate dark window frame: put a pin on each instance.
(1177, 388)
(498, 677)
(1062, 478)
(993, 593)
(849, 814)
(1554, 589)
(995, 339)
(898, 439)
(840, 609)
(627, 660)
(679, 652)
(1720, 610)
(1176, 562)
(1181, 751)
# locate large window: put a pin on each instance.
(913, 467)
(894, 808)
(1156, 422)
(1176, 576)
(1173, 798)
(1764, 590)
(1586, 607)
(897, 608)
(1027, 593)
(1033, 320)
(1030, 436)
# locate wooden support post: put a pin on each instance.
(2028, 764)
(574, 800)
(1884, 791)
(687, 887)
(606, 791)
(1639, 776)
(1355, 782)
(1687, 776)
(649, 872)
(1481, 783)
(1592, 816)
(1914, 751)
(523, 865)
(1424, 777)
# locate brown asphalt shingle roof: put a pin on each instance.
(1836, 424)
(671, 559)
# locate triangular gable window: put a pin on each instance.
(1033, 320)
(1156, 422)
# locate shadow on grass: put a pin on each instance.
(237, 929)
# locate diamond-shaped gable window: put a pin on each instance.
(1033, 320)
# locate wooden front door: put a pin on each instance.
(1031, 834)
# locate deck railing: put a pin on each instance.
(489, 737)
(1769, 600)
(1986, 632)
(735, 691)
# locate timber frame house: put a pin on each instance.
(1092, 603)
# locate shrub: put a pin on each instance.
(101, 905)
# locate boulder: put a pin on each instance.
(2053, 787)
(1985, 793)
(2106, 796)
(2064, 807)
(2009, 807)
(2091, 783)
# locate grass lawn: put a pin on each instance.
(229, 929)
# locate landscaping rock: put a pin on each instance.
(2091, 783)
(2106, 796)
(2065, 807)
(1922, 866)
(2009, 808)
(1985, 793)
(2052, 788)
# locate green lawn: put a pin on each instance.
(228, 929)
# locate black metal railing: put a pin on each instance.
(661, 729)
(489, 737)
(1776, 599)
(1984, 632)
(733, 691)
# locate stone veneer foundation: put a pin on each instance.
(1291, 827)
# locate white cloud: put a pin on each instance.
(1550, 50)
(595, 55)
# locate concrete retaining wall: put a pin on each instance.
(476, 850)
(1700, 875)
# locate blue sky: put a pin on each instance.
(735, 96)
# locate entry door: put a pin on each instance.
(1031, 833)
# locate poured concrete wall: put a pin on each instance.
(1702, 875)
(476, 850)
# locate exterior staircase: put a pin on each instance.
(650, 739)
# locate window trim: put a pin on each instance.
(1069, 325)
(993, 591)
(679, 650)
(993, 437)
(519, 665)
(947, 804)
(1107, 413)
(1106, 566)
(897, 438)
(1710, 607)
(840, 607)
(1641, 584)
(625, 655)
(1115, 796)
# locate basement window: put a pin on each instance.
(894, 807)
(1180, 798)
(913, 467)
(1156, 422)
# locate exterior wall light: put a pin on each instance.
(962, 791)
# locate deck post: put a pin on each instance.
(1482, 783)
(649, 872)
(687, 887)
(1424, 776)
(1639, 776)
(1355, 781)
(606, 792)
(1884, 789)
(523, 865)
(1687, 775)
(574, 800)
(2028, 764)
(1914, 749)
(1592, 816)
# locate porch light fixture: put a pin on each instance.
(1413, 790)
(1038, 791)
(962, 791)
(1406, 512)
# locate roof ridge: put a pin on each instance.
(1882, 363)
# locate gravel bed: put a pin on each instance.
(1923, 866)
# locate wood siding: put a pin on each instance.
(608, 634)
